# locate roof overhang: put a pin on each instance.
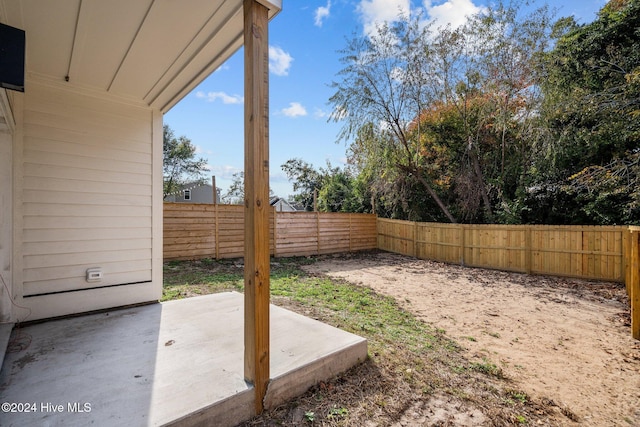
(149, 51)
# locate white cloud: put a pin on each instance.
(277, 176)
(200, 150)
(375, 12)
(224, 171)
(320, 114)
(341, 160)
(226, 98)
(453, 12)
(279, 61)
(295, 109)
(322, 13)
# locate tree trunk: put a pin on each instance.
(431, 192)
(483, 187)
(480, 176)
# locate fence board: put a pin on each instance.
(590, 252)
(194, 231)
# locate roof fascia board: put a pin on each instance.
(274, 6)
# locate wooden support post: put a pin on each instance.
(256, 191)
(634, 287)
(217, 230)
(215, 190)
(626, 259)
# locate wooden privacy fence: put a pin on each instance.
(194, 231)
(590, 252)
(609, 253)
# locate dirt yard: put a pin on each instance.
(560, 340)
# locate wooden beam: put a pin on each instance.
(215, 191)
(634, 286)
(256, 192)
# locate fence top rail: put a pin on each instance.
(179, 206)
(397, 221)
(539, 227)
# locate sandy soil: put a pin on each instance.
(557, 339)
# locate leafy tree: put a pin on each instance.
(337, 193)
(306, 181)
(450, 112)
(387, 189)
(180, 165)
(592, 105)
(592, 87)
(381, 86)
(609, 194)
(235, 194)
(332, 188)
(498, 102)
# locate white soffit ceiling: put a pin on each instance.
(153, 51)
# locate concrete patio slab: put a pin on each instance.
(175, 363)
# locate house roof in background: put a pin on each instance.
(151, 51)
(192, 186)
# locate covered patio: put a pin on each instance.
(81, 225)
(175, 363)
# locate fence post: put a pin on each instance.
(527, 248)
(317, 232)
(415, 239)
(462, 243)
(350, 233)
(626, 259)
(275, 232)
(216, 219)
(634, 285)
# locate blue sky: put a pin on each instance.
(304, 41)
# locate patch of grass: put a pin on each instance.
(356, 309)
(309, 416)
(519, 396)
(336, 412)
(487, 368)
(191, 278)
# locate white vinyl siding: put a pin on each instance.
(6, 225)
(86, 192)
